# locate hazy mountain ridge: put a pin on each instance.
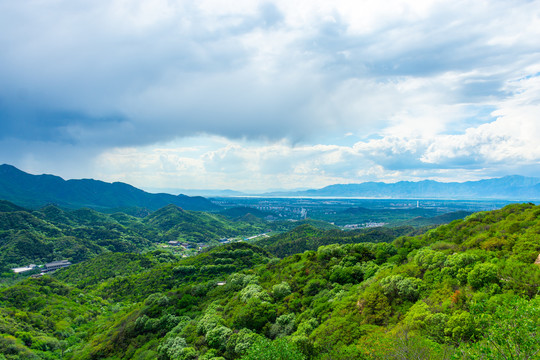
(508, 187)
(35, 191)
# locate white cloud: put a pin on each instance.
(226, 164)
(219, 94)
(512, 137)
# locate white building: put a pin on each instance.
(24, 268)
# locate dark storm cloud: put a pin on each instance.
(72, 73)
(186, 74)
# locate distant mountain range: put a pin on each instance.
(513, 187)
(35, 191)
(206, 193)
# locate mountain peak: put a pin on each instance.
(172, 207)
(6, 168)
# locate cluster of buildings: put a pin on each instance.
(365, 225)
(49, 267)
(185, 245)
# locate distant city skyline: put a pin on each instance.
(259, 95)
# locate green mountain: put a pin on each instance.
(174, 223)
(307, 237)
(464, 290)
(35, 191)
(8, 206)
(436, 220)
(360, 215)
(51, 233)
(239, 212)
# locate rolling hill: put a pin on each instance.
(51, 233)
(465, 290)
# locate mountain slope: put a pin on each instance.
(306, 237)
(35, 191)
(52, 233)
(465, 290)
(436, 220)
(175, 223)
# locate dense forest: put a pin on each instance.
(465, 290)
(52, 233)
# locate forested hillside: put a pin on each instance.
(307, 237)
(466, 290)
(52, 234)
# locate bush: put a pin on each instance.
(218, 336)
(255, 314)
(253, 291)
(241, 341)
(398, 286)
(281, 290)
(265, 349)
(482, 275)
(284, 326)
(512, 332)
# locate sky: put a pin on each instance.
(261, 95)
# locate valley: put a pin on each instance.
(302, 291)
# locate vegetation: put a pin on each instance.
(48, 234)
(307, 237)
(417, 217)
(465, 290)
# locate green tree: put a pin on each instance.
(241, 341)
(218, 336)
(255, 314)
(281, 290)
(482, 275)
(279, 349)
(172, 347)
(513, 332)
(254, 291)
(398, 286)
(284, 326)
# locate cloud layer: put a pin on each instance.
(270, 94)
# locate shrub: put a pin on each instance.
(482, 275)
(265, 349)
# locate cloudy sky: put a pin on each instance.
(255, 95)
